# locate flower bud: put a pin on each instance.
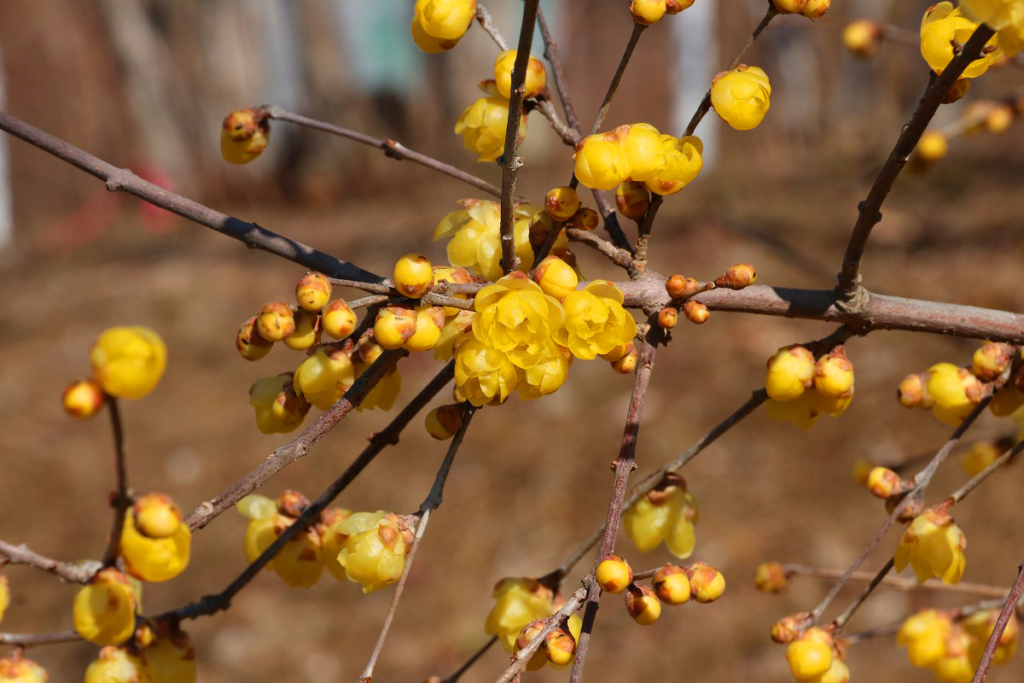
(741, 96)
(933, 545)
(672, 585)
(113, 665)
(668, 317)
(313, 291)
(980, 455)
(526, 636)
(104, 609)
(790, 372)
(243, 136)
(16, 668)
(156, 515)
(862, 38)
(128, 362)
(627, 364)
(444, 421)
(561, 203)
(374, 554)
(368, 350)
(619, 352)
(307, 331)
(643, 605)
(613, 574)
(560, 647)
(586, 219)
(483, 126)
(601, 162)
(809, 657)
(250, 345)
(884, 483)
(696, 312)
(394, 326)
(931, 147)
(275, 321)
(679, 287)
(957, 91)
(815, 9)
(170, 658)
(677, 6)
(413, 275)
(998, 119)
(913, 391)
(429, 321)
(739, 276)
(556, 277)
(82, 399)
(991, 360)
(771, 577)
(647, 12)
(706, 583)
(536, 77)
(788, 629)
(338, 319)
(150, 557)
(862, 470)
(632, 199)
(833, 374)
(446, 20)
(426, 42)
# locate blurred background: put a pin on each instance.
(146, 83)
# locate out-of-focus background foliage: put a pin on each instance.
(145, 84)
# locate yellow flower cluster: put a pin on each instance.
(364, 547)
(438, 25)
(800, 389)
(155, 542)
(666, 515)
(518, 603)
(16, 668)
(941, 27)
(741, 96)
(813, 658)
(638, 152)
(933, 545)
(1005, 16)
(475, 236)
(952, 651)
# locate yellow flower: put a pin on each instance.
(243, 136)
(741, 96)
(475, 234)
(483, 125)
(413, 275)
(546, 376)
(278, 408)
(332, 540)
(426, 42)
(561, 203)
(170, 658)
(556, 277)
(683, 163)
(645, 153)
(941, 26)
(955, 664)
(128, 361)
(979, 627)
(482, 373)
(104, 609)
(837, 673)
(862, 37)
(595, 321)
(924, 634)
(790, 373)
(265, 525)
(601, 162)
(313, 291)
(647, 12)
(932, 146)
(1005, 16)
(454, 330)
(955, 391)
(519, 601)
(374, 552)
(933, 546)
(667, 516)
(149, 558)
(299, 563)
(385, 393)
(536, 78)
(115, 665)
(325, 376)
(515, 316)
(810, 657)
(833, 374)
(445, 19)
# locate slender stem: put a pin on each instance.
(1006, 457)
(611, 221)
(980, 589)
(24, 640)
(558, 73)
(123, 180)
(457, 674)
(66, 571)
(391, 148)
(486, 22)
(436, 297)
(523, 656)
(705, 104)
(1004, 617)
(120, 500)
(430, 503)
(543, 104)
(840, 621)
(623, 466)
(620, 257)
(510, 163)
(646, 225)
(297, 447)
(869, 210)
(634, 37)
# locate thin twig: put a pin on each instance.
(123, 180)
(510, 163)
(391, 148)
(705, 104)
(430, 503)
(435, 297)
(486, 22)
(997, 633)
(66, 571)
(644, 237)
(634, 37)
(618, 256)
(120, 500)
(840, 622)
(457, 674)
(869, 210)
(558, 74)
(24, 640)
(1006, 457)
(542, 103)
(523, 656)
(979, 589)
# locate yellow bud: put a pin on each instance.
(741, 96)
(313, 291)
(991, 360)
(677, 6)
(789, 628)
(483, 126)
(632, 198)
(560, 647)
(586, 219)
(445, 19)
(668, 317)
(884, 483)
(82, 399)
(556, 277)
(338, 319)
(678, 286)
(957, 91)
(5, 596)
(243, 136)
(999, 119)
(114, 665)
(128, 362)
(672, 585)
(815, 9)
(394, 326)
(276, 321)
(429, 321)
(613, 574)
(528, 633)
(413, 275)
(978, 457)
(696, 312)
(156, 515)
(250, 345)
(150, 558)
(536, 77)
(771, 577)
(307, 331)
(737, 277)
(647, 12)
(619, 352)
(931, 147)
(790, 371)
(428, 43)
(627, 364)
(444, 421)
(16, 668)
(706, 583)
(913, 391)
(808, 659)
(862, 38)
(601, 162)
(104, 609)
(833, 374)
(789, 6)
(643, 605)
(170, 658)
(561, 203)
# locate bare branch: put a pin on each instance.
(120, 500)
(627, 54)
(558, 74)
(24, 640)
(66, 571)
(1004, 617)
(486, 22)
(896, 582)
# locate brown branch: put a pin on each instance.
(211, 604)
(486, 22)
(120, 499)
(634, 37)
(66, 571)
(611, 221)
(297, 447)
(705, 104)
(1004, 617)
(896, 582)
(391, 148)
(558, 74)
(522, 657)
(869, 210)
(644, 232)
(975, 481)
(623, 466)
(23, 640)
(510, 163)
(123, 180)
(430, 503)
(543, 104)
(620, 257)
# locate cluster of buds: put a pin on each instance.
(127, 362)
(952, 648)
(158, 653)
(648, 12)
(521, 609)
(682, 289)
(418, 328)
(671, 584)
(155, 541)
(952, 392)
(244, 135)
(638, 152)
(812, 9)
(741, 96)
(667, 514)
(801, 388)
(438, 25)
(368, 548)
(299, 327)
(558, 647)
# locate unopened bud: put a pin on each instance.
(313, 291)
(556, 277)
(250, 345)
(586, 219)
(647, 12)
(618, 352)
(613, 574)
(429, 323)
(275, 321)
(633, 198)
(156, 515)
(957, 91)
(413, 275)
(243, 136)
(739, 276)
(672, 585)
(668, 317)
(338, 319)
(643, 605)
(561, 203)
(788, 629)
(706, 583)
(991, 360)
(394, 326)
(771, 577)
(862, 37)
(444, 421)
(307, 331)
(292, 503)
(696, 312)
(999, 119)
(560, 647)
(884, 483)
(679, 287)
(627, 364)
(82, 399)
(913, 391)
